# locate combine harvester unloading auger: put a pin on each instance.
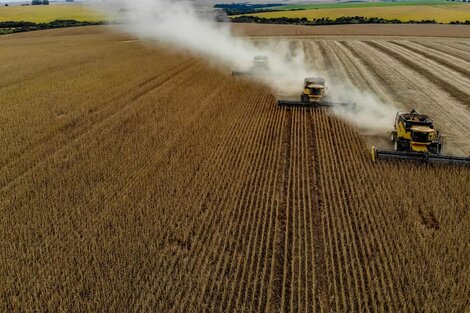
(414, 138)
(314, 94)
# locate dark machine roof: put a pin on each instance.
(416, 118)
(315, 80)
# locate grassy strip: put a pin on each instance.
(360, 5)
(18, 27)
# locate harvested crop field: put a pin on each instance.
(118, 192)
(404, 30)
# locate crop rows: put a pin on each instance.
(121, 194)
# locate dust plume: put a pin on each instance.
(369, 113)
(182, 24)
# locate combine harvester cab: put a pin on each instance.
(315, 94)
(414, 138)
(315, 90)
(260, 65)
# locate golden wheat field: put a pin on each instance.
(439, 13)
(120, 193)
(48, 13)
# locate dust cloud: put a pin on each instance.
(369, 113)
(182, 24)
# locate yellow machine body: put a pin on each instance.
(260, 66)
(414, 132)
(415, 139)
(315, 92)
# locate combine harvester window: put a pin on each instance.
(420, 137)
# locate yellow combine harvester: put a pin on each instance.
(314, 94)
(315, 90)
(260, 66)
(415, 132)
(414, 138)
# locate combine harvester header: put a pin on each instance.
(419, 156)
(295, 103)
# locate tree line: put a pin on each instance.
(40, 2)
(247, 8)
(16, 27)
(329, 21)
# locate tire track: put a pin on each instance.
(308, 269)
(464, 45)
(380, 85)
(277, 295)
(286, 218)
(321, 290)
(446, 49)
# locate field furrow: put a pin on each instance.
(207, 202)
(228, 159)
(260, 189)
(239, 224)
(437, 75)
(449, 48)
(322, 291)
(454, 73)
(277, 275)
(455, 63)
